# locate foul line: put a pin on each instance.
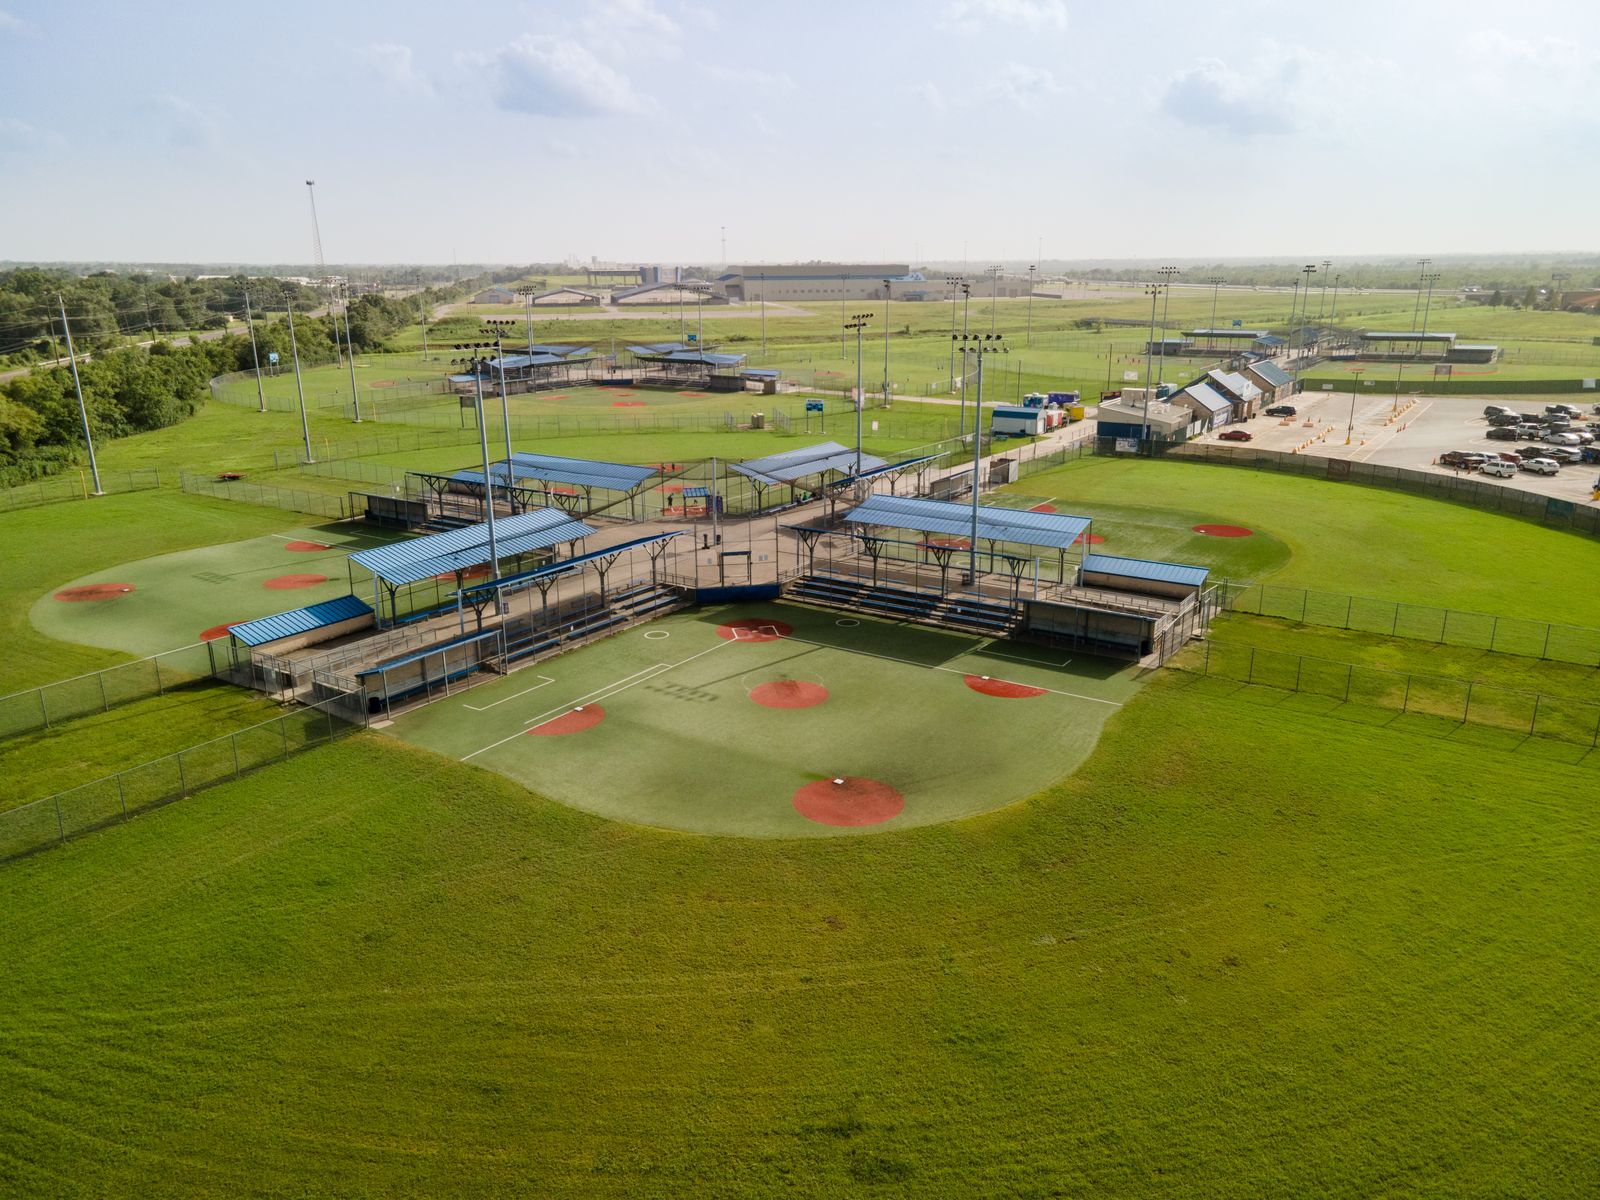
(516, 696)
(616, 687)
(952, 670)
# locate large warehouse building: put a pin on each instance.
(816, 281)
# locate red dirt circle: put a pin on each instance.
(761, 629)
(288, 583)
(789, 693)
(306, 547)
(1043, 508)
(1088, 539)
(849, 800)
(627, 404)
(585, 716)
(1002, 688)
(94, 591)
(217, 632)
(1223, 530)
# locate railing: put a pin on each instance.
(1392, 618)
(1463, 701)
(116, 798)
(76, 484)
(100, 691)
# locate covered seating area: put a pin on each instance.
(825, 469)
(680, 365)
(538, 368)
(580, 486)
(407, 576)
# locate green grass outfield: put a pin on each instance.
(684, 745)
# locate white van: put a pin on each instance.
(1498, 468)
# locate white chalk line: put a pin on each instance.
(545, 681)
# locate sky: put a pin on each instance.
(939, 131)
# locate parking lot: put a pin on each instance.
(1412, 432)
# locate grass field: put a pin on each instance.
(677, 696)
(1248, 946)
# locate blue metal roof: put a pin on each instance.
(1054, 530)
(300, 620)
(566, 564)
(1226, 333)
(759, 373)
(462, 549)
(1272, 373)
(793, 465)
(674, 352)
(1145, 568)
(585, 472)
(1207, 397)
(1413, 336)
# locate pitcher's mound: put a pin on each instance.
(586, 716)
(848, 800)
(1223, 530)
(94, 591)
(788, 693)
(288, 583)
(1002, 688)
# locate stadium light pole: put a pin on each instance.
(505, 405)
(1166, 274)
(1152, 290)
(888, 300)
(255, 354)
(1308, 271)
(1333, 313)
(1422, 269)
(956, 284)
(527, 308)
(1429, 279)
(1294, 304)
(355, 397)
(858, 322)
(299, 387)
(763, 314)
(1032, 267)
(994, 294)
(1322, 298)
(979, 344)
(83, 409)
(1216, 282)
(1355, 387)
(488, 483)
(422, 316)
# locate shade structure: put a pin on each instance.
(1057, 531)
(300, 620)
(1149, 570)
(581, 472)
(794, 465)
(468, 547)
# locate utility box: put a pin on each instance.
(1003, 470)
(758, 420)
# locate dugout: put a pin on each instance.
(677, 365)
(389, 512)
(1173, 581)
(582, 486)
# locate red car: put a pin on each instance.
(1234, 435)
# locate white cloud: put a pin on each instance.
(556, 77)
(752, 77)
(1017, 85)
(1040, 16)
(188, 125)
(12, 24)
(20, 135)
(630, 25)
(1211, 95)
(928, 92)
(393, 64)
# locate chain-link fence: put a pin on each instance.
(1492, 497)
(245, 492)
(101, 691)
(1464, 701)
(1392, 618)
(76, 485)
(115, 798)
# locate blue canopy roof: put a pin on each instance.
(1272, 373)
(673, 352)
(300, 620)
(1054, 530)
(514, 582)
(1145, 568)
(794, 465)
(462, 549)
(584, 472)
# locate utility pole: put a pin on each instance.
(355, 397)
(1323, 297)
(1152, 290)
(255, 354)
(858, 322)
(1032, 267)
(1422, 269)
(1215, 281)
(1166, 274)
(422, 313)
(888, 298)
(77, 386)
(299, 387)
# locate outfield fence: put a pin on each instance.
(1532, 506)
(76, 484)
(115, 798)
(101, 691)
(1392, 618)
(1464, 701)
(242, 490)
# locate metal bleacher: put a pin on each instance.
(963, 613)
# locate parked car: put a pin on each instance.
(1453, 458)
(1504, 418)
(1583, 435)
(1235, 435)
(1529, 430)
(1282, 410)
(1541, 466)
(1490, 410)
(1549, 422)
(1565, 455)
(1512, 457)
(1557, 438)
(1498, 468)
(1502, 434)
(1563, 409)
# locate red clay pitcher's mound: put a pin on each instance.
(306, 547)
(754, 629)
(627, 404)
(1043, 508)
(1088, 539)
(849, 800)
(216, 633)
(288, 583)
(94, 591)
(1002, 688)
(1223, 530)
(788, 693)
(584, 717)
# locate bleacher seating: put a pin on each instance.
(965, 613)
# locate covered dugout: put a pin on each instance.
(676, 365)
(825, 469)
(539, 368)
(581, 486)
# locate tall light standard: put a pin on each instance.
(355, 397)
(994, 294)
(1294, 305)
(1166, 274)
(83, 410)
(1216, 282)
(888, 299)
(763, 314)
(1355, 387)
(1032, 267)
(1323, 296)
(527, 294)
(1422, 269)
(505, 405)
(294, 353)
(1430, 279)
(255, 354)
(1152, 290)
(1333, 313)
(858, 322)
(1308, 271)
(980, 345)
(955, 284)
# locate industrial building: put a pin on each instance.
(819, 281)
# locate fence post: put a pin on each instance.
(284, 730)
(1349, 670)
(1299, 662)
(234, 738)
(183, 779)
(122, 796)
(1405, 701)
(1466, 711)
(43, 710)
(1207, 669)
(156, 661)
(1444, 628)
(1250, 675)
(1394, 623)
(1493, 629)
(1348, 601)
(61, 828)
(100, 678)
(1533, 724)
(1545, 652)
(1305, 598)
